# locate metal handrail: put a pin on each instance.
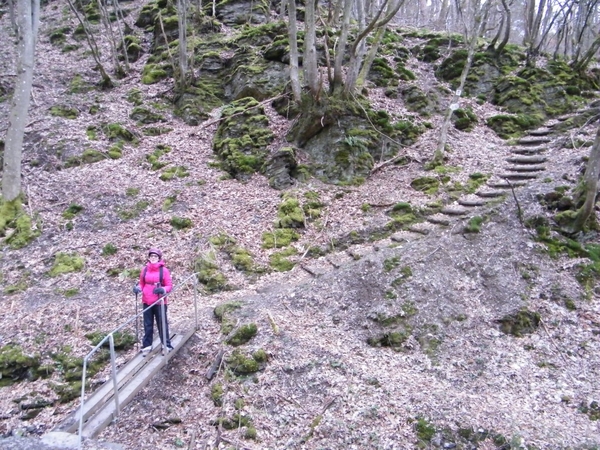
(110, 338)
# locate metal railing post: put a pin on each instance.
(111, 340)
(163, 319)
(196, 301)
(82, 400)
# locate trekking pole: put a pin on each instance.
(137, 327)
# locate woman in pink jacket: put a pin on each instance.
(155, 283)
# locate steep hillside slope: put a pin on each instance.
(451, 377)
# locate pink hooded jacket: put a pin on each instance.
(151, 280)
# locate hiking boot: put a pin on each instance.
(146, 351)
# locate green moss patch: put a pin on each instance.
(154, 158)
(241, 364)
(520, 323)
(123, 340)
(66, 263)
(64, 111)
(428, 185)
(242, 138)
(174, 171)
(16, 226)
(280, 261)
(243, 335)
(279, 237)
(209, 274)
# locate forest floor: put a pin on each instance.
(324, 386)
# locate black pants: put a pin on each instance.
(155, 311)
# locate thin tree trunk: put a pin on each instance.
(293, 38)
(111, 37)
(183, 59)
(11, 14)
(439, 154)
(338, 76)
(106, 81)
(27, 20)
(590, 185)
(311, 74)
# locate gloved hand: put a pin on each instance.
(137, 289)
(159, 291)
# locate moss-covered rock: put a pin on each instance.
(243, 335)
(464, 119)
(16, 226)
(209, 274)
(509, 126)
(16, 365)
(242, 138)
(145, 116)
(382, 74)
(417, 100)
(428, 185)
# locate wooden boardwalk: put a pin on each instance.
(100, 409)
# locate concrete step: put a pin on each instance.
(422, 228)
(527, 159)
(565, 117)
(439, 219)
(526, 168)
(533, 140)
(471, 201)
(455, 210)
(540, 132)
(519, 175)
(529, 150)
(490, 193)
(503, 184)
(404, 236)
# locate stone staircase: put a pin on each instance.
(525, 162)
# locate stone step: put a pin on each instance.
(471, 201)
(405, 236)
(526, 168)
(439, 219)
(455, 210)
(565, 117)
(503, 184)
(529, 150)
(531, 140)
(527, 159)
(422, 228)
(490, 193)
(540, 132)
(519, 175)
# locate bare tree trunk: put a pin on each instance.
(293, 38)
(11, 14)
(508, 25)
(27, 21)
(439, 154)
(183, 58)
(106, 81)
(590, 185)
(311, 73)
(338, 75)
(118, 70)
